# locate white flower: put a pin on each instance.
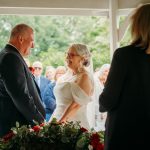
(14, 131)
(31, 130)
(90, 147)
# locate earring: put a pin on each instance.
(80, 68)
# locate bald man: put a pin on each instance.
(19, 95)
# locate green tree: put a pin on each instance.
(54, 34)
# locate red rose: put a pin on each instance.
(83, 129)
(42, 124)
(95, 142)
(99, 146)
(8, 136)
(36, 128)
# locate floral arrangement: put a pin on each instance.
(52, 136)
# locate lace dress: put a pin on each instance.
(65, 93)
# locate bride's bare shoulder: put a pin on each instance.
(85, 74)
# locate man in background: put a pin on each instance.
(41, 81)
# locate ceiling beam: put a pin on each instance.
(65, 7)
(52, 11)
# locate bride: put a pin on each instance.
(74, 90)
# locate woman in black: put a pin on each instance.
(126, 96)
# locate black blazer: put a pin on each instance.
(126, 98)
(19, 97)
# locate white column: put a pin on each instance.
(113, 11)
(124, 26)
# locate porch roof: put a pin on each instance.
(110, 8)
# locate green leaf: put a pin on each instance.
(17, 124)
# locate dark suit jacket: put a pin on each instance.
(43, 84)
(49, 98)
(19, 98)
(126, 98)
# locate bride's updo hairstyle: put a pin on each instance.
(83, 51)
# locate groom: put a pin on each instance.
(19, 96)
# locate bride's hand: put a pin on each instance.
(62, 120)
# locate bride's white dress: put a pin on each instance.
(65, 93)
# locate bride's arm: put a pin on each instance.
(85, 84)
(71, 110)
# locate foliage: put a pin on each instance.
(54, 34)
(52, 136)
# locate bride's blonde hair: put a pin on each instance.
(84, 52)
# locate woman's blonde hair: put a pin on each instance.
(83, 51)
(140, 26)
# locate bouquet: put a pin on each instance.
(52, 136)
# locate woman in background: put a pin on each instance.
(100, 78)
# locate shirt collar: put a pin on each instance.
(13, 46)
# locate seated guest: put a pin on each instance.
(100, 78)
(49, 100)
(50, 73)
(41, 81)
(60, 70)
